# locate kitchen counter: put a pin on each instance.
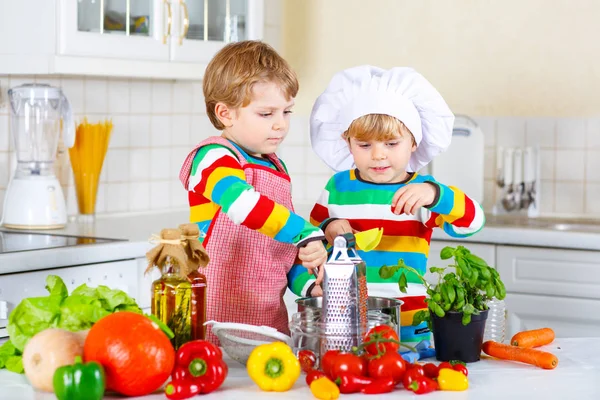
(576, 377)
(135, 230)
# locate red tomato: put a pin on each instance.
(307, 359)
(390, 365)
(445, 364)
(461, 368)
(347, 362)
(380, 332)
(431, 370)
(327, 361)
(414, 372)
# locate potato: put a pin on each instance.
(48, 350)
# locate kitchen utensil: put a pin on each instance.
(500, 167)
(529, 163)
(238, 340)
(34, 198)
(508, 201)
(518, 177)
(368, 240)
(344, 313)
(466, 153)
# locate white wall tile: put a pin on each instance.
(182, 97)
(592, 166)
(101, 199)
(104, 171)
(180, 131)
(294, 158)
(140, 97)
(139, 164)
(52, 80)
(119, 138)
(117, 195)
(139, 196)
(570, 133)
(139, 131)
(4, 169)
(314, 165)
(2, 195)
(547, 163)
(273, 12)
(201, 129)
(160, 195)
(314, 186)
(593, 133)
(162, 97)
(489, 194)
(160, 129)
(96, 96)
(179, 198)
(160, 164)
(541, 131)
(72, 206)
(510, 132)
(489, 163)
(273, 36)
(547, 197)
(488, 127)
(592, 198)
(198, 105)
(4, 136)
(570, 165)
(299, 132)
(569, 198)
(73, 90)
(117, 165)
(118, 96)
(178, 155)
(4, 86)
(298, 188)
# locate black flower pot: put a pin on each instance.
(455, 341)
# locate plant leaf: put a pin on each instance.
(447, 252)
(403, 283)
(387, 272)
(436, 270)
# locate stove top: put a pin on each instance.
(12, 242)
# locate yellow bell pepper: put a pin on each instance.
(324, 389)
(450, 379)
(273, 367)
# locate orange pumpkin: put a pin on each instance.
(136, 355)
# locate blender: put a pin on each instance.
(34, 198)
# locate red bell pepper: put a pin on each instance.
(199, 368)
(350, 383)
(422, 385)
(313, 376)
(415, 372)
(431, 370)
(382, 385)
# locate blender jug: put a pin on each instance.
(34, 198)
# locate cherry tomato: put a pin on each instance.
(389, 365)
(445, 364)
(313, 376)
(307, 359)
(431, 370)
(347, 362)
(414, 372)
(461, 368)
(380, 332)
(327, 361)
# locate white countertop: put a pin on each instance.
(576, 377)
(135, 230)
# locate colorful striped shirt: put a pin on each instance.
(217, 182)
(367, 205)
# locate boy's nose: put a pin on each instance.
(378, 154)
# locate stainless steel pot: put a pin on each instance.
(385, 305)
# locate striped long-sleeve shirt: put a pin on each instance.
(368, 205)
(217, 182)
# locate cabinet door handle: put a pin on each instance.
(185, 20)
(169, 20)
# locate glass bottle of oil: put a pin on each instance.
(198, 305)
(172, 301)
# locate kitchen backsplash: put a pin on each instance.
(157, 122)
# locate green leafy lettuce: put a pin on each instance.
(79, 311)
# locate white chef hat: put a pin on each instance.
(399, 92)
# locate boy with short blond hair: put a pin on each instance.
(240, 192)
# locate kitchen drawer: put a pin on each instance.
(568, 317)
(121, 275)
(556, 272)
(485, 251)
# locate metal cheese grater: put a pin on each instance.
(344, 314)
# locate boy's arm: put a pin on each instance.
(319, 216)
(455, 212)
(300, 281)
(218, 176)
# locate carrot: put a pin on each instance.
(533, 338)
(535, 357)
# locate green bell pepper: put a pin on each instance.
(79, 381)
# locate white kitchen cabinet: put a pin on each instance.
(136, 38)
(568, 317)
(485, 251)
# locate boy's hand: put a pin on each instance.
(316, 291)
(336, 228)
(313, 255)
(409, 198)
